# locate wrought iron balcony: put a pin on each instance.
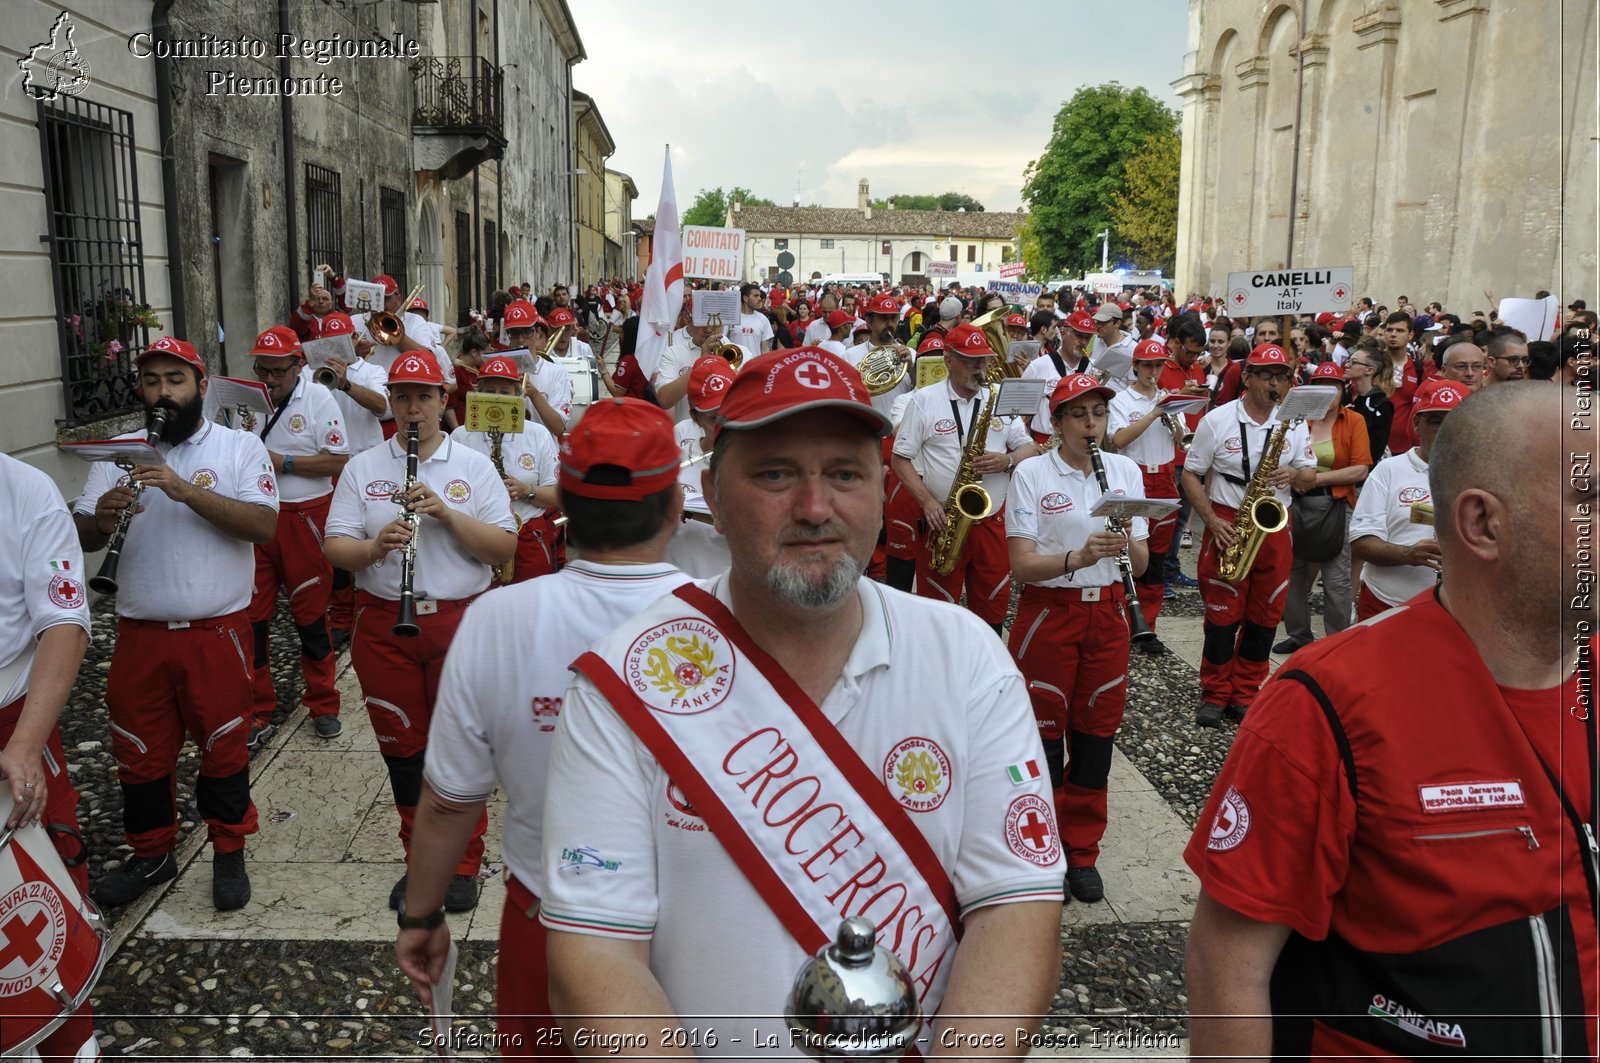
(458, 113)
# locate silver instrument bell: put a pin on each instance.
(853, 1000)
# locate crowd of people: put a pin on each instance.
(841, 644)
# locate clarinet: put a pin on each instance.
(1138, 629)
(405, 625)
(105, 581)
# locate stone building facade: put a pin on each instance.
(1443, 147)
(592, 145)
(621, 234)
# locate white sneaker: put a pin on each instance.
(1187, 540)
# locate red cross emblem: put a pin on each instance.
(1339, 292)
(1238, 298)
(22, 939)
(65, 591)
(1035, 831)
(813, 376)
(1030, 832)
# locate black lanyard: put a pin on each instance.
(961, 429)
(274, 419)
(1244, 448)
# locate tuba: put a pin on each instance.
(1260, 514)
(967, 502)
(993, 327)
(882, 369)
(386, 328)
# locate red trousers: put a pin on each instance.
(61, 809)
(1152, 585)
(983, 570)
(165, 681)
(522, 985)
(1241, 618)
(400, 680)
(1074, 655)
(537, 545)
(294, 560)
(900, 516)
(1369, 605)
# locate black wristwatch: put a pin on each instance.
(418, 922)
(344, 385)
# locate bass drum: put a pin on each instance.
(53, 941)
(586, 386)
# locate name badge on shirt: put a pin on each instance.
(1471, 796)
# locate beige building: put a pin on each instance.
(1441, 147)
(621, 235)
(592, 146)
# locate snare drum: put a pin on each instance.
(53, 941)
(586, 386)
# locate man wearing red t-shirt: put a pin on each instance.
(1388, 868)
(1411, 370)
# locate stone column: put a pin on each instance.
(1252, 75)
(1377, 33)
(1312, 52)
(1194, 194)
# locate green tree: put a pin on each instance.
(1147, 212)
(1028, 251)
(944, 201)
(1071, 188)
(710, 206)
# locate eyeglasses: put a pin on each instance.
(1276, 376)
(1466, 367)
(272, 374)
(1083, 413)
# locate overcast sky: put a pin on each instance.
(765, 95)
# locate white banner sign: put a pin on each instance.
(1017, 292)
(714, 254)
(1291, 291)
(939, 269)
(1013, 269)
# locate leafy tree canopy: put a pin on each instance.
(710, 206)
(1146, 212)
(942, 201)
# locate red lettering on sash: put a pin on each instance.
(828, 849)
(788, 843)
(859, 880)
(766, 816)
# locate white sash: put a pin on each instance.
(808, 822)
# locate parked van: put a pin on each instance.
(856, 280)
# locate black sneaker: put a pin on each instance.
(1084, 883)
(230, 882)
(398, 894)
(259, 733)
(1208, 715)
(1288, 646)
(462, 896)
(280, 716)
(328, 726)
(1235, 713)
(130, 881)
(1153, 647)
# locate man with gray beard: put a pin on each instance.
(755, 757)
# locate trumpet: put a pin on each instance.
(326, 377)
(1181, 436)
(105, 581)
(386, 328)
(882, 368)
(727, 350)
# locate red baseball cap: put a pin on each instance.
(968, 342)
(1440, 396)
(1074, 385)
(279, 341)
(836, 318)
(629, 433)
(1078, 321)
(499, 368)
(561, 316)
(1016, 321)
(1328, 371)
(782, 383)
(390, 285)
(415, 369)
(521, 314)
(860, 327)
(708, 383)
(882, 304)
(180, 349)
(1267, 354)
(419, 303)
(933, 341)
(1150, 351)
(338, 323)
(1326, 318)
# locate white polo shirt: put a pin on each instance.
(363, 505)
(1050, 504)
(41, 571)
(928, 429)
(176, 565)
(885, 403)
(495, 716)
(1217, 446)
(1153, 448)
(752, 333)
(817, 331)
(362, 428)
(415, 326)
(1384, 509)
(310, 424)
(555, 384)
(1044, 368)
(529, 456)
(1097, 346)
(696, 547)
(923, 676)
(676, 359)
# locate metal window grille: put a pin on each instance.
(491, 258)
(96, 253)
(324, 218)
(392, 218)
(464, 298)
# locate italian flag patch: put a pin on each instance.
(61, 566)
(1025, 772)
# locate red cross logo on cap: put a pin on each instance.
(814, 376)
(716, 382)
(22, 939)
(413, 364)
(163, 344)
(269, 339)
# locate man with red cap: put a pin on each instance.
(698, 548)
(563, 325)
(1242, 617)
(889, 737)
(180, 665)
(1139, 431)
(1070, 637)
(839, 323)
(464, 528)
(1016, 326)
(894, 563)
(1049, 367)
(417, 336)
(619, 467)
(527, 467)
(549, 387)
(1392, 529)
(306, 441)
(882, 316)
(933, 433)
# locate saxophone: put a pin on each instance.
(502, 573)
(967, 502)
(1260, 514)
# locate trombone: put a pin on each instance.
(386, 328)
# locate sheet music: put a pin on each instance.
(128, 452)
(1309, 402)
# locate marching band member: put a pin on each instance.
(180, 663)
(549, 387)
(1401, 555)
(882, 316)
(305, 438)
(904, 714)
(618, 471)
(1050, 367)
(1138, 432)
(529, 462)
(1110, 337)
(688, 345)
(44, 631)
(934, 431)
(466, 528)
(563, 326)
(1242, 618)
(1070, 637)
(417, 336)
(697, 547)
